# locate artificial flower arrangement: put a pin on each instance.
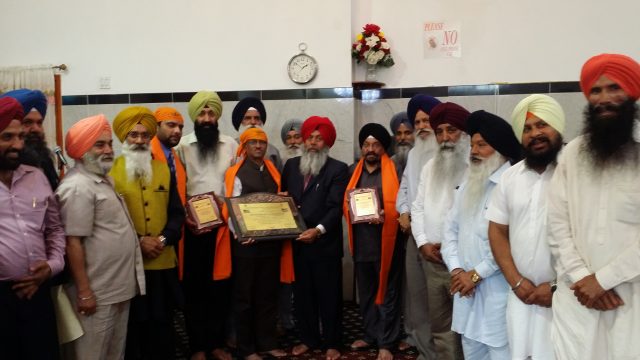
(372, 47)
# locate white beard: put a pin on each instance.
(311, 162)
(402, 152)
(137, 162)
(99, 165)
(477, 180)
(426, 146)
(243, 128)
(291, 151)
(450, 164)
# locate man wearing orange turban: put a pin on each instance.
(593, 221)
(157, 214)
(317, 183)
(102, 246)
(257, 265)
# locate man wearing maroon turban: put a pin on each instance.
(438, 180)
(102, 246)
(31, 248)
(317, 183)
(593, 220)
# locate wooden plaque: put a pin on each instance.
(363, 205)
(203, 210)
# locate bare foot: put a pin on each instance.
(332, 354)
(253, 356)
(384, 354)
(220, 354)
(200, 355)
(278, 353)
(360, 345)
(299, 349)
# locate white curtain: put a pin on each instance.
(33, 77)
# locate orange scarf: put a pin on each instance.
(222, 261)
(390, 188)
(181, 178)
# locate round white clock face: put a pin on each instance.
(302, 68)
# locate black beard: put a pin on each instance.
(35, 150)
(535, 161)
(8, 164)
(610, 140)
(208, 136)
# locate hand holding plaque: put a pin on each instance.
(203, 212)
(265, 216)
(364, 206)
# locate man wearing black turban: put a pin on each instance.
(250, 112)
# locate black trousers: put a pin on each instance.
(206, 301)
(318, 299)
(381, 322)
(255, 303)
(27, 327)
(150, 331)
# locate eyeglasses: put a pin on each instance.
(136, 135)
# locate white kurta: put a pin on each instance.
(429, 210)
(520, 201)
(410, 179)
(480, 317)
(594, 223)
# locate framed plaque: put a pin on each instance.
(363, 205)
(265, 216)
(203, 210)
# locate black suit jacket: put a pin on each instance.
(319, 203)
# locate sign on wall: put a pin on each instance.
(442, 39)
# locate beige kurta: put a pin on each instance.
(594, 224)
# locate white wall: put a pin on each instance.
(503, 40)
(172, 46)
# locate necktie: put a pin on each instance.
(172, 165)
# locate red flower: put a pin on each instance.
(371, 28)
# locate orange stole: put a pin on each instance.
(390, 186)
(222, 264)
(181, 179)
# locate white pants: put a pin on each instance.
(105, 333)
(474, 350)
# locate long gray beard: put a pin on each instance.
(97, 164)
(449, 166)
(312, 162)
(425, 148)
(477, 179)
(291, 152)
(137, 162)
(402, 152)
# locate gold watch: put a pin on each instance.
(475, 278)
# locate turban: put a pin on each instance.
(241, 108)
(377, 131)
(166, 113)
(621, 69)
(292, 124)
(323, 125)
(30, 99)
(420, 102)
(10, 109)
(449, 113)
(83, 134)
(254, 133)
(127, 119)
(202, 99)
(495, 131)
(543, 106)
(400, 118)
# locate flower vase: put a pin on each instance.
(372, 73)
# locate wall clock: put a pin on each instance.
(302, 67)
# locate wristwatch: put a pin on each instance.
(475, 278)
(163, 240)
(554, 285)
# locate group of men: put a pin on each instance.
(493, 240)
